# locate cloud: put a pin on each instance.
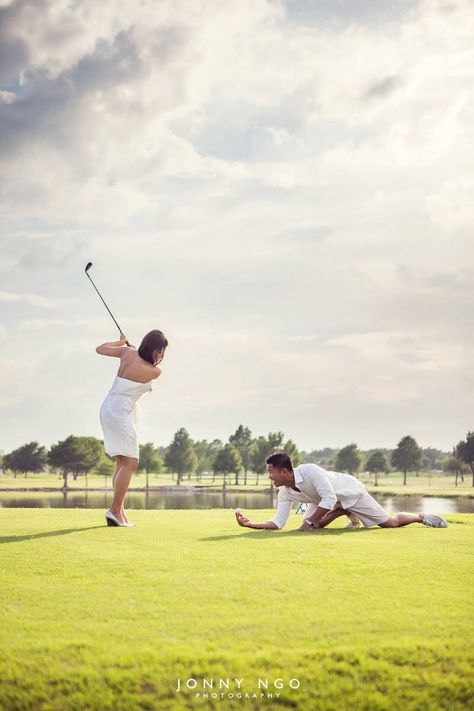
(383, 88)
(297, 221)
(33, 299)
(39, 324)
(322, 12)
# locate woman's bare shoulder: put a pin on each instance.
(152, 371)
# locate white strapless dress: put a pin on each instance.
(119, 417)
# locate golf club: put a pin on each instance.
(88, 266)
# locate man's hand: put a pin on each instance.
(243, 520)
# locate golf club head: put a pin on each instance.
(88, 266)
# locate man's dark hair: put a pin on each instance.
(280, 460)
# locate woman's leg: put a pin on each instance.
(121, 484)
(118, 464)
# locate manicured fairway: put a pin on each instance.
(108, 619)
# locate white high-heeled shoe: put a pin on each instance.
(112, 521)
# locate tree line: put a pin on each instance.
(242, 455)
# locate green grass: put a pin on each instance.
(106, 619)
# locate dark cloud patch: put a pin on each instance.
(13, 57)
(383, 88)
(56, 111)
(15, 21)
(112, 64)
(14, 54)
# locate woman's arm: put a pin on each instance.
(113, 348)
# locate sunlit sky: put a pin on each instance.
(286, 188)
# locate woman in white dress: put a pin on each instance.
(118, 413)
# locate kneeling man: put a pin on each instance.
(328, 495)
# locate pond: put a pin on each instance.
(212, 500)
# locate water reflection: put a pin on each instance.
(213, 500)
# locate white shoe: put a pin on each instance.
(434, 521)
(112, 521)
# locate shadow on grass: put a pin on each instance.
(46, 534)
(286, 534)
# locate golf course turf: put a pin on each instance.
(110, 618)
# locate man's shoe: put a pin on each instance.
(434, 521)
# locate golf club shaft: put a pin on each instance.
(110, 312)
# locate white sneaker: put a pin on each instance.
(434, 521)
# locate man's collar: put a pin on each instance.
(298, 477)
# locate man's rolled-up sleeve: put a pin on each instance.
(325, 490)
(282, 513)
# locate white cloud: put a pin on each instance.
(33, 299)
(283, 187)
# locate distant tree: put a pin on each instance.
(376, 464)
(407, 456)
(275, 441)
(181, 457)
(242, 441)
(261, 450)
(387, 453)
(204, 462)
(206, 453)
(31, 457)
(163, 451)
(291, 450)
(455, 465)
(263, 447)
(228, 461)
(323, 457)
(465, 451)
(75, 455)
(104, 467)
(213, 448)
(149, 460)
(349, 459)
(433, 458)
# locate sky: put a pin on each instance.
(284, 187)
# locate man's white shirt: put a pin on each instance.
(317, 486)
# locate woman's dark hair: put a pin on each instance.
(280, 460)
(153, 341)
